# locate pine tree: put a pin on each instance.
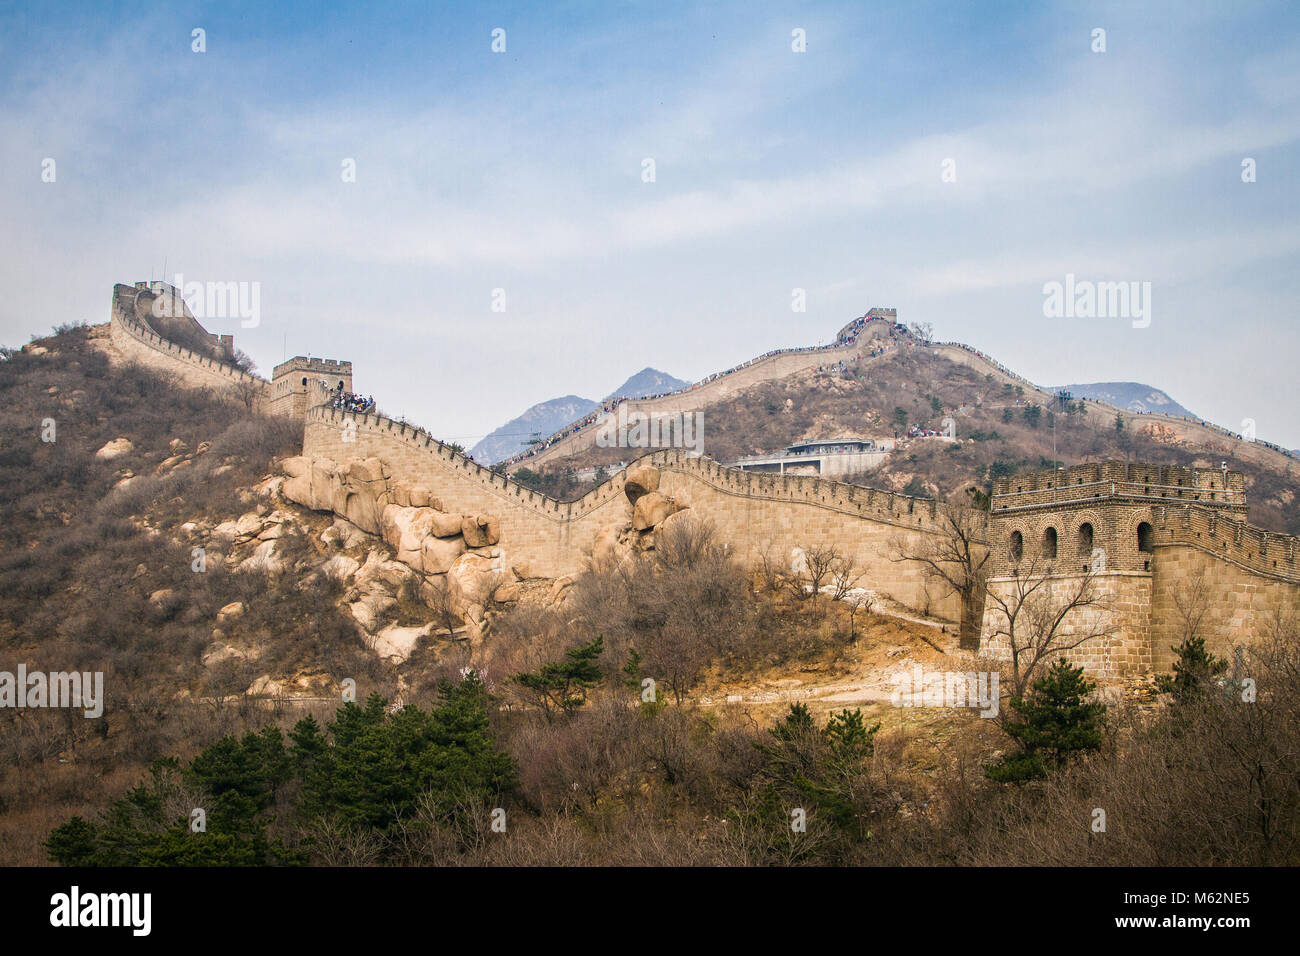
(1056, 723)
(563, 685)
(1194, 671)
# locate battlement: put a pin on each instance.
(302, 382)
(134, 335)
(1210, 487)
(301, 363)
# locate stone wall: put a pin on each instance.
(295, 384)
(1197, 550)
(1240, 605)
(135, 340)
(752, 512)
(1123, 610)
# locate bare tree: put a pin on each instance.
(1040, 616)
(955, 557)
(1191, 604)
(772, 570)
(844, 576)
(818, 566)
(440, 598)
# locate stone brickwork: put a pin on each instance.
(135, 339)
(1123, 610)
(296, 384)
(1146, 533)
(753, 513)
(1151, 535)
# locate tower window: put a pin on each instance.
(1049, 543)
(1085, 538)
(1145, 534)
(1017, 545)
(304, 380)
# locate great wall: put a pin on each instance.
(1158, 529)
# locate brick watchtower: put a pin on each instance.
(301, 382)
(1112, 520)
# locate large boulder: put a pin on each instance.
(316, 487)
(680, 518)
(651, 508)
(424, 498)
(115, 449)
(641, 480)
(396, 643)
(438, 554)
(340, 567)
(445, 525)
(362, 493)
(481, 531)
(609, 549)
(343, 534)
(405, 529)
(399, 493)
(263, 559)
(296, 467)
(474, 576)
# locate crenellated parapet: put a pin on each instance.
(1154, 540)
(132, 333)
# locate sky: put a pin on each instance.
(478, 230)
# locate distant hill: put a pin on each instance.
(1134, 396)
(548, 417)
(648, 381)
(544, 418)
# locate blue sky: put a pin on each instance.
(775, 170)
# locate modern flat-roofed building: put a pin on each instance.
(825, 457)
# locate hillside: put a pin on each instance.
(150, 536)
(148, 541)
(1002, 430)
(546, 417)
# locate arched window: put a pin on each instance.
(340, 385)
(304, 379)
(1145, 535)
(1085, 539)
(1049, 544)
(1017, 546)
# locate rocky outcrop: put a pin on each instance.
(651, 509)
(481, 531)
(461, 551)
(641, 480)
(115, 449)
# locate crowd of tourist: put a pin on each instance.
(917, 432)
(349, 402)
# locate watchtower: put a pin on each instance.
(301, 382)
(1108, 521)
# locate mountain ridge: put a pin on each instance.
(548, 416)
